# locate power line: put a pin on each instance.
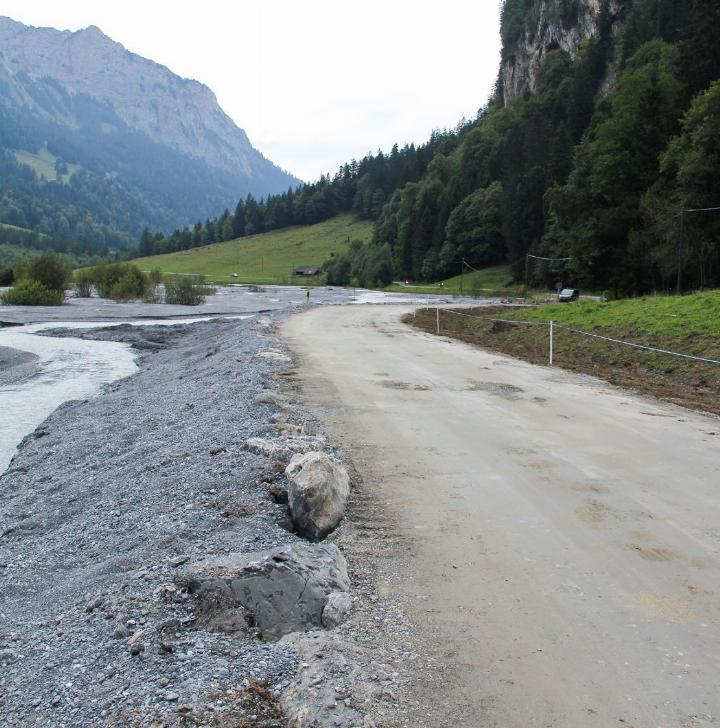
(538, 257)
(702, 209)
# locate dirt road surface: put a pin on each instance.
(564, 535)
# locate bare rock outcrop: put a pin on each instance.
(178, 112)
(549, 26)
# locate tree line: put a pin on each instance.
(361, 187)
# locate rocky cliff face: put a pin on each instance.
(180, 113)
(550, 25)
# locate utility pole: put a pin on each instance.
(462, 271)
(681, 241)
(527, 273)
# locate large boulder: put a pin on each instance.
(278, 591)
(317, 493)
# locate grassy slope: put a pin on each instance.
(682, 319)
(481, 283)
(267, 258)
(684, 324)
(43, 164)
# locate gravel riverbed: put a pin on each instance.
(102, 504)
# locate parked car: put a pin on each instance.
(569, 294)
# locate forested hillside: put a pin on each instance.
(599, 149)
(361, 187)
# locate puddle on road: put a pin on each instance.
(405, 386)
(652, 554)
(499, 389)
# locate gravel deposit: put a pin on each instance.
(101, 506)
(16, 366)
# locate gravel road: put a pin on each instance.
(102, 504)
(555, 539)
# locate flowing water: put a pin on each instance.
(68, 369)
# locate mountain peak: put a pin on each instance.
(92, 30)
(145, 95)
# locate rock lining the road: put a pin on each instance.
(104, 502)
(283, 449)
(318, 489)
(276, 592)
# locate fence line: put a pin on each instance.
(554, 325)
(490, 318)
(639, 346)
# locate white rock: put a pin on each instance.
(284, 448)
(318, 490)
(336, 609)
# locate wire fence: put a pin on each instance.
(553, 326)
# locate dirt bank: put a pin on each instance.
(690, 384)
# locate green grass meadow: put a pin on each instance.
(267, 258)
(681, 318)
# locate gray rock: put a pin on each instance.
(268, 397)
(336, 609)
(318, 490)
(284, 448)
(7, 655)
(312, 699)
(278, 493)
(282, 590)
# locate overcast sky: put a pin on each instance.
(314, 83)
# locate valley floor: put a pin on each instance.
(554, 539)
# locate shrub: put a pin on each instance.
(130, 286)
(6, 276)
(186, 290)
(50, 269)
(32, 293)
(83, 282)
(107, 276)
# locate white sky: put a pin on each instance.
(314, 83)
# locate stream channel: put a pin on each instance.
(66, 369)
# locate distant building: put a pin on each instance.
(307, 270)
